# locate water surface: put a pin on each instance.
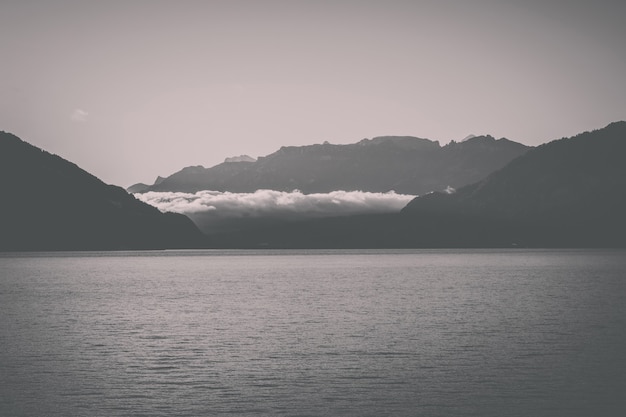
(308, 333)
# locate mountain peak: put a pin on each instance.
(484, 138)
(240, 158)
(409, 142)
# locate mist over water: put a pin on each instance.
(295, 333)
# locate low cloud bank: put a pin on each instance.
(269, 203)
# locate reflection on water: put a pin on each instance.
(360, 333)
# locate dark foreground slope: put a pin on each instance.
(567, 193)
(49, 203)
(407, 165)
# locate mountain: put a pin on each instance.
(140, 187)
(407, 165)
(567, 193)
(51, 204)
(240, 158)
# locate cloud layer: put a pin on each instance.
(269, 203)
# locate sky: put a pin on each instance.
(132, 89)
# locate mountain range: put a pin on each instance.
(49, 203)
(569, 192)
(566, 193)
(407, 165)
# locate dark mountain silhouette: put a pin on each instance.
(49, 203)
(406, 165)
(567, 193)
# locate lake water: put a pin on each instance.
(314, 333)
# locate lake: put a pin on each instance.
(314, 333)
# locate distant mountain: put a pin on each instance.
(140, 187)
(241, 158)
(407, 165)
(49, 203)
(567, 193)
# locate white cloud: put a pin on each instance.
(264, 203)
(79, 115)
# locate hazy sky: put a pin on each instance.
(130, 90)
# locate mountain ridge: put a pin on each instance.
(405, 164)
(570, 192)
(585, 163)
